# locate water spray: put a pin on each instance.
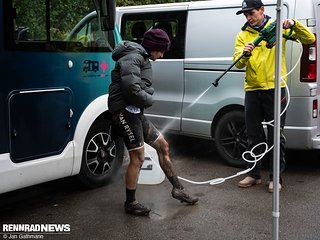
(268, 34)
(216, 181)
(258, 157)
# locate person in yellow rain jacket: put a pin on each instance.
(260, 82)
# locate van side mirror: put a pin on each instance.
(106, 10)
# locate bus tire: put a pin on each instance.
(231, 137)
(102, 157)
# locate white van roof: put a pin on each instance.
(300, 9)
(189, 5)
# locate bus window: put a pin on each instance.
(90, 34)
(45, 27)
(30, 25)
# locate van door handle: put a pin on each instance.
(70, 64)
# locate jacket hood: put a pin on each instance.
(126, 47)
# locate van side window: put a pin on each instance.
(173, 23)
(42, 25)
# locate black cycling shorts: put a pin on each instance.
(135, 129)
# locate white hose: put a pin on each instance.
(257, 158)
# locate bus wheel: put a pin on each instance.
(102, 157)
(231, 138)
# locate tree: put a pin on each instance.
(64, 14)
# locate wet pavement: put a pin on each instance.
(224, 211)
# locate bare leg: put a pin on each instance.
(131, 205)
(162, 148)
(178, 191)
(136, 161)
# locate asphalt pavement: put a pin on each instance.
(224, 211)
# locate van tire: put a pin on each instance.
(231, 138)
(102, 157)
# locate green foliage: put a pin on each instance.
(32, 15)
(64, 14)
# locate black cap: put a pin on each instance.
(248, 5)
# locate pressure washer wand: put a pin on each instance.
(255, 43)
(216, 82)
(267, 34)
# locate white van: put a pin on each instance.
(203, 35)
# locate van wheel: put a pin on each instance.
(102, 157)
(231, 138)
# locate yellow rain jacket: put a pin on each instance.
(260, 66)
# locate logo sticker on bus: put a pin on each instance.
(94, 66)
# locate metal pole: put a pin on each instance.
(277, 109)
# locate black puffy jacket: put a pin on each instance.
(131, 77)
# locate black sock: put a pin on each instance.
(175, 182)
(131, 195)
